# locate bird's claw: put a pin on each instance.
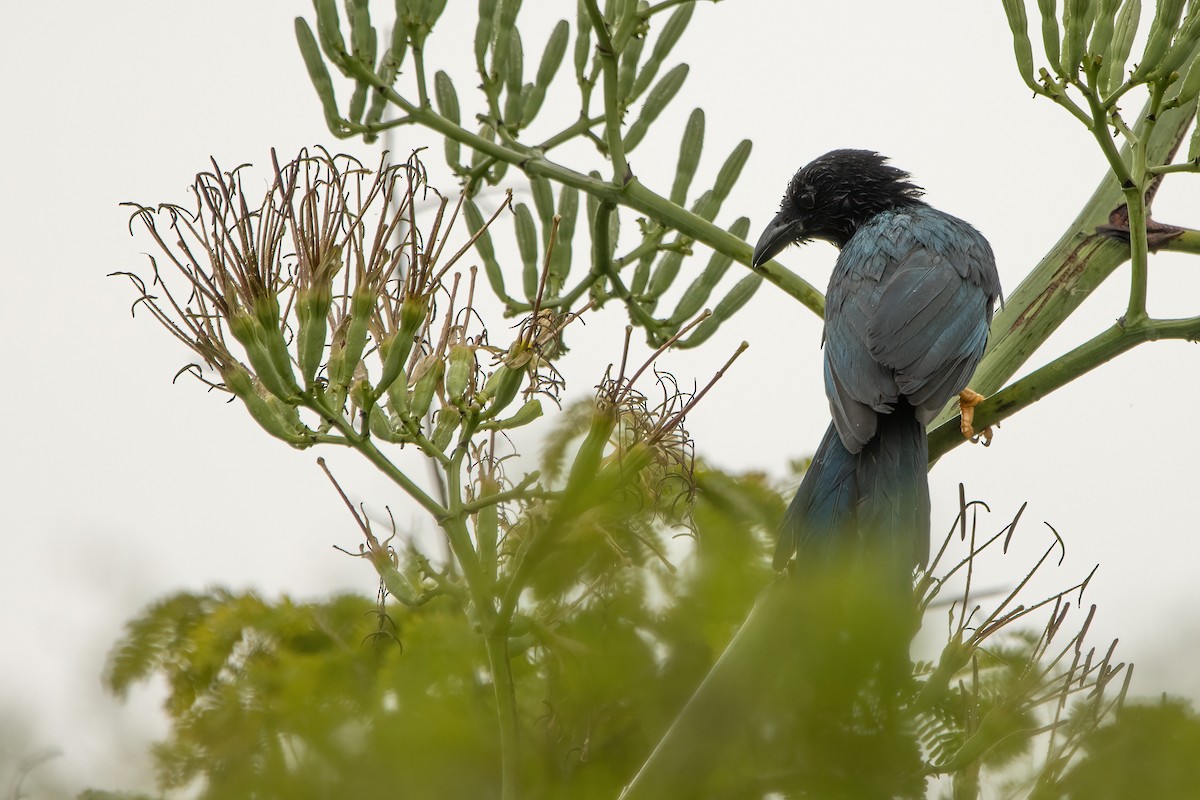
(967, 400)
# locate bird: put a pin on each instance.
(907, 314)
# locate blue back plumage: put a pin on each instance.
(907, 315)
(906, 322)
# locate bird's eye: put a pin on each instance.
(806, 201)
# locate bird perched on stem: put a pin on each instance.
(906, 321)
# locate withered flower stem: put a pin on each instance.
(624, 388)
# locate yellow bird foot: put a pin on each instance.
(967, 400)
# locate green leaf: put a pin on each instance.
(690, 148)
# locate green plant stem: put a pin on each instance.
(1166, 169)
(1109, 344)
(518, 492)
(607, 54)
(1188, 241)
(372, 453)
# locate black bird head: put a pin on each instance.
(831, 196)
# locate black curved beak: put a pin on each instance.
(780, 232)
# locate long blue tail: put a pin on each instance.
(875, 501)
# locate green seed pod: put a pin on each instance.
(689, 156)
(1050, 35)
(343, 364)
(486, 250)
(270, 416)
(448, 420)
(1102, 33)
(431, 11)
(532, 97)
(363, 38)
(1194, 144)
(1077, 23)
(552, 56)
(483, 33)
(427, 383)
(730, 171)
(586, 466)
(1018, 23)
(1184, 45)
(460, 373)
(249, 333)
(361, 394)
(658, 99)
(399, 37)
(706, 205)
(627, 70)
(738, 296)
(525, 415)
(666, 41)
(447, 102)
(330, 34)
(1190, 87)
(560, 259)
(543, 201)
(487, 527)
(528, 245)
(266, 313)
(514, 100)
(319, 76)
(501, 388)
(312, 315)
(381, 427)
(1112, 71)
(393, 352)
(1166, 21)
(697, 294)
(505, 20)
(641, 273)
(664, 276)
(583, 42)
(446, 97)
(397, 395)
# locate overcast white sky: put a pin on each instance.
(118, 487)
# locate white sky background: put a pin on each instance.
(118, 487)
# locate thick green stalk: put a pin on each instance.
(1078, 263)
(612, 101)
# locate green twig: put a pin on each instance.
(606, 52)
(1109, 344)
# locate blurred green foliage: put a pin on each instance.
(557, 650)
